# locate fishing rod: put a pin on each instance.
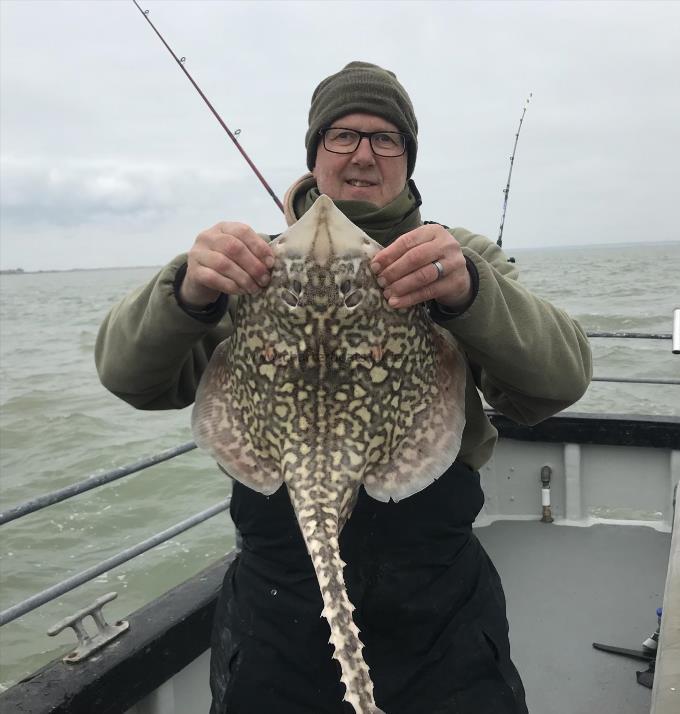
(506, 190)
(180, 61)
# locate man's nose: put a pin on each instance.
(363, 154)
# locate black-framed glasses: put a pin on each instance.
(339, 140)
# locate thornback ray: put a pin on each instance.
(324, 387)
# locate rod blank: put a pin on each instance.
(180, 62)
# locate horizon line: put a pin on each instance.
(23, 271)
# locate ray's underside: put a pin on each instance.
(324, 387)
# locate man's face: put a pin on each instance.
(361, 175)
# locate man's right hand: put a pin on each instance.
(227, 258)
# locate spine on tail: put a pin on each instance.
(321, 536)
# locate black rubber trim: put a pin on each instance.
(662, 432)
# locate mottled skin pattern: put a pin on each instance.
(323, 386)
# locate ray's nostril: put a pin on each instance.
(345, 286)
(290, 299)
(354, 298)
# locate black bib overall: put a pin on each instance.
(429, 605)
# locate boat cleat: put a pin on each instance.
(87, 644)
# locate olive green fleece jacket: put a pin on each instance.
(528, 358)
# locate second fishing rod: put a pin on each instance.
(181, 63)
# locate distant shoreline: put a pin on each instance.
(508, 248)
(587, 246)
(21, 271)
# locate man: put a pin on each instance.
(430, 605)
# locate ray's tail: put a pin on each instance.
(320, 531)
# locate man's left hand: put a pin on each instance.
(407, 273)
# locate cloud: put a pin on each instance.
(71, 193)
(109, 152)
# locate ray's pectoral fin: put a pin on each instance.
(219, 426)
(432, 436)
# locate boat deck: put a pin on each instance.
(567, 587)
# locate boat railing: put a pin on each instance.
(100, 479)
(45, 596)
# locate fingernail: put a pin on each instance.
(264, 280)
(269, 261)
(382, 282)
(387, 294)
(393, 301)
(376, 267)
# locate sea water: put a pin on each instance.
(58, 425)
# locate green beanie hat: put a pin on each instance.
(362, 87)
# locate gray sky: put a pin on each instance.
(109, 157)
